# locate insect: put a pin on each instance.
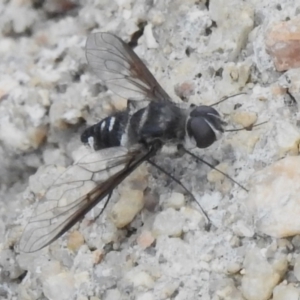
(125, 140)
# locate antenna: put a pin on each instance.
(226, 98)
(248, 128)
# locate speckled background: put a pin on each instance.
(200, 51)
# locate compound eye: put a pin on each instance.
(201, 131)
(210, 115)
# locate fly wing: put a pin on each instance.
(121, 69)
(76, 191)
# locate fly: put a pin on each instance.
(122, 141)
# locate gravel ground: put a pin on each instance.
(151, 242)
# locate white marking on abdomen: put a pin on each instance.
(111, 123)
(124, 138)
(103, 125)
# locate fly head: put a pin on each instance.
(203, 126)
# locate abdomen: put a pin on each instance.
(107, 133)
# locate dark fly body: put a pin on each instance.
(125, 140)
(123, 72)
(108, 132)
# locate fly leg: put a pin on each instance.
(103, 208)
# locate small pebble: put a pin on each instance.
(175, 200)
(60, 286)
(297, 267)
(145, 239)
(140, 279)
(145, 296)
(274, 200)
(286, 292)
(75, 240)
(168, 222)
(129, 205)
(244, 118)
(259, 277)
(283, 44)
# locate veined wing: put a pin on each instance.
(121, 69)
(82, 186)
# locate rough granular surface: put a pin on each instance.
(151, 242)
